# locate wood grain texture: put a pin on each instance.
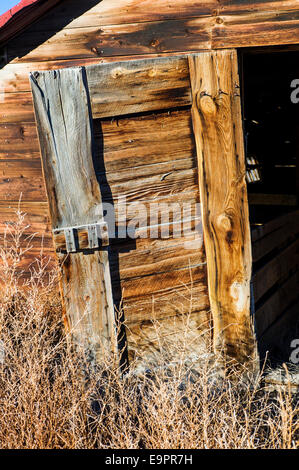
(138, 86)
(16, 107)
(15, 76)
(151, 159)
(258, 5)
(76, 34)
(9, 168)
(178, 336)
(128, 160)
(138, 156)
(104, 29)
(147, 145)
(36, 236)
(19, 141)
(254, 27)
(119, 88)
(14, 187)
(105, 41)
(37, 223)
(64, 126)
(218, 133)
(148, 158)
(112, 12)
(121, 143)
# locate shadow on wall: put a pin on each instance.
(115, 247)
(113, 252)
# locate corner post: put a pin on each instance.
(217, 126)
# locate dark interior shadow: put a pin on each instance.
(271, 126)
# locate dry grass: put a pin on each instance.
(51, 398)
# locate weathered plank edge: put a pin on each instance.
(98, 330)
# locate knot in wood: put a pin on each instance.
(117, 72)
(224, 222)
(152, 72)
(239, 294)
(155, 43)
(206, 104)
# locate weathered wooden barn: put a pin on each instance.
(154, 102)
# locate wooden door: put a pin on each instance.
(154, 131)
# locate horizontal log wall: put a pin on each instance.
(84, 33)
(148, 157)
(80, 33)
(152, 159)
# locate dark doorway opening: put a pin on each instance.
(269, 81)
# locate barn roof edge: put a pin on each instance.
(22, 15)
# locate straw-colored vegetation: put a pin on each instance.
(50, 397)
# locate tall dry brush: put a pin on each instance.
(50, 397)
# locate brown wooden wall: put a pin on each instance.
(152, 159)
(81, 33)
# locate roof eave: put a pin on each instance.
(21, 16)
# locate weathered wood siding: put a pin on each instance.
(84, 33)
(80, 33)
(145, 277)
(144, 153)
(152, 159)
(217, 124)
(66, 140)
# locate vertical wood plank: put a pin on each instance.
(63, 118)
(217, 126)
